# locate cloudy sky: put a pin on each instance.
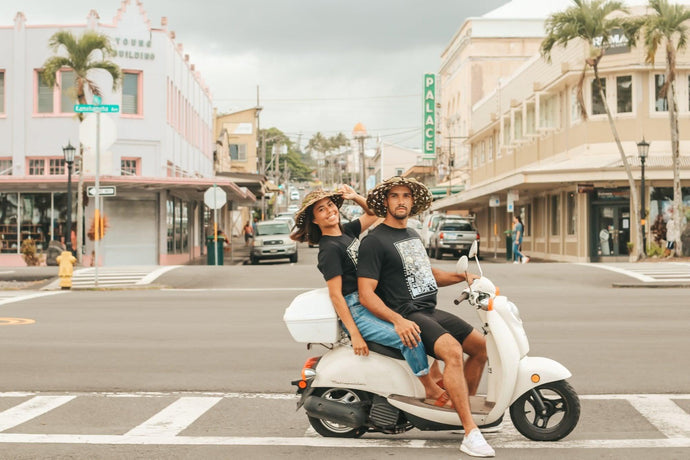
(321, 65)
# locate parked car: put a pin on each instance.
(415, 224)
(272, 241)
(453, 236)
(294, 195)
(430, 226)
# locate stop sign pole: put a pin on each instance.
(215, 198)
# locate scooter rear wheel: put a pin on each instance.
(329, 429)
(559, 417)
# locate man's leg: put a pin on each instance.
(450, 351)
(475, 347)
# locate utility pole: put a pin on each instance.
(261, 163)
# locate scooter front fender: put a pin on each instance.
(375, 373)
(544, 370)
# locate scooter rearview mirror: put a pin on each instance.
(473, 250)
(461, 266)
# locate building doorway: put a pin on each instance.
(611, 230)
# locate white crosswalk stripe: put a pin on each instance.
(650, 272)
(670, 425)
(84, 278)
(17, 296)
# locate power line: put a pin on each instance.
(325, 99)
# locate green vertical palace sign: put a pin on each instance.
(429, 146)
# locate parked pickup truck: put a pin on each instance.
(453, 236)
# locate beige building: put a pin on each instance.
(528, 143)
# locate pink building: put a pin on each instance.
(157, 151)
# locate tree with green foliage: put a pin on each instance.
(328, 150)
(667, 27)
(594, 22)
(85, 56)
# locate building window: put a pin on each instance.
(597, 102)
(661, 104)
(68, 91)
(571, 210)
(482, 154)
(56, 166)
(130, 93)
(5, 166)
(548, 112)
(517, 126)
(624, 103)
(238, 152)
(399, 172)
(555, 214)
(129, 166)
(490, 148)
(37, 167)
(44, 95)
(2, 91)
(529, 120)
(575, 114)
(498, 147)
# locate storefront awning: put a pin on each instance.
(195, 186)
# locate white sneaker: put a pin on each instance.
(475, 445)
(516, 262)
(525, 260)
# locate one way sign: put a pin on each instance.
(102, 191)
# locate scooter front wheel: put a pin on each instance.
(329, 429)
(548, 412)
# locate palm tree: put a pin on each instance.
(84, 56)
(667, 27)
(593, 22)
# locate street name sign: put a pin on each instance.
(89, 108)
(102, 191)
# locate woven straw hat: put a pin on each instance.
(312, 198)
(421, 195)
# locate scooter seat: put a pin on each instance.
(384, 350)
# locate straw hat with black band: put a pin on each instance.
(421, 195)
(312, 198)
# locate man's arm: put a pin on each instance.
(444, 278)
(406, 329)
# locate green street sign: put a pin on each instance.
(90, 108)
(429, 134)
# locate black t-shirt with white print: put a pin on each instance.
(397, 259)
(338, 256)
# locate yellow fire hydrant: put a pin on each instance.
(66, 263)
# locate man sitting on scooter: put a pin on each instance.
(397, 284)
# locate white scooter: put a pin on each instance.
(346, 395)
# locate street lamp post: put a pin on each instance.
(68, 152)
(360, 134)
(643, 150)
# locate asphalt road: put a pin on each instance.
(219, 331)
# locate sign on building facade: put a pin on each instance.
(429, 133)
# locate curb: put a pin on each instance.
(651, 285)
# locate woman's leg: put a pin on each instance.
(517, 255)
(380, 331)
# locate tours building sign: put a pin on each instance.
(133, 48)
(429, 133)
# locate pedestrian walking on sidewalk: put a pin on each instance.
(518, 232)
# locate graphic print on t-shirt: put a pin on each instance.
(418, 275)
(353, 251)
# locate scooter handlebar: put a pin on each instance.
(464, 296)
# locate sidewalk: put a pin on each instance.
(237, 255)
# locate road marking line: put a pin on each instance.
(174, 418)
(19, 298)
(38, 405)
(156, 273)
(664, 414)
(242, 289)
(647, 279)
(334, 442)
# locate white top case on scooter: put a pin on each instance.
(311, 318)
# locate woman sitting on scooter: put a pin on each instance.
(318, 222)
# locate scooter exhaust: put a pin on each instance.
(349, 414)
